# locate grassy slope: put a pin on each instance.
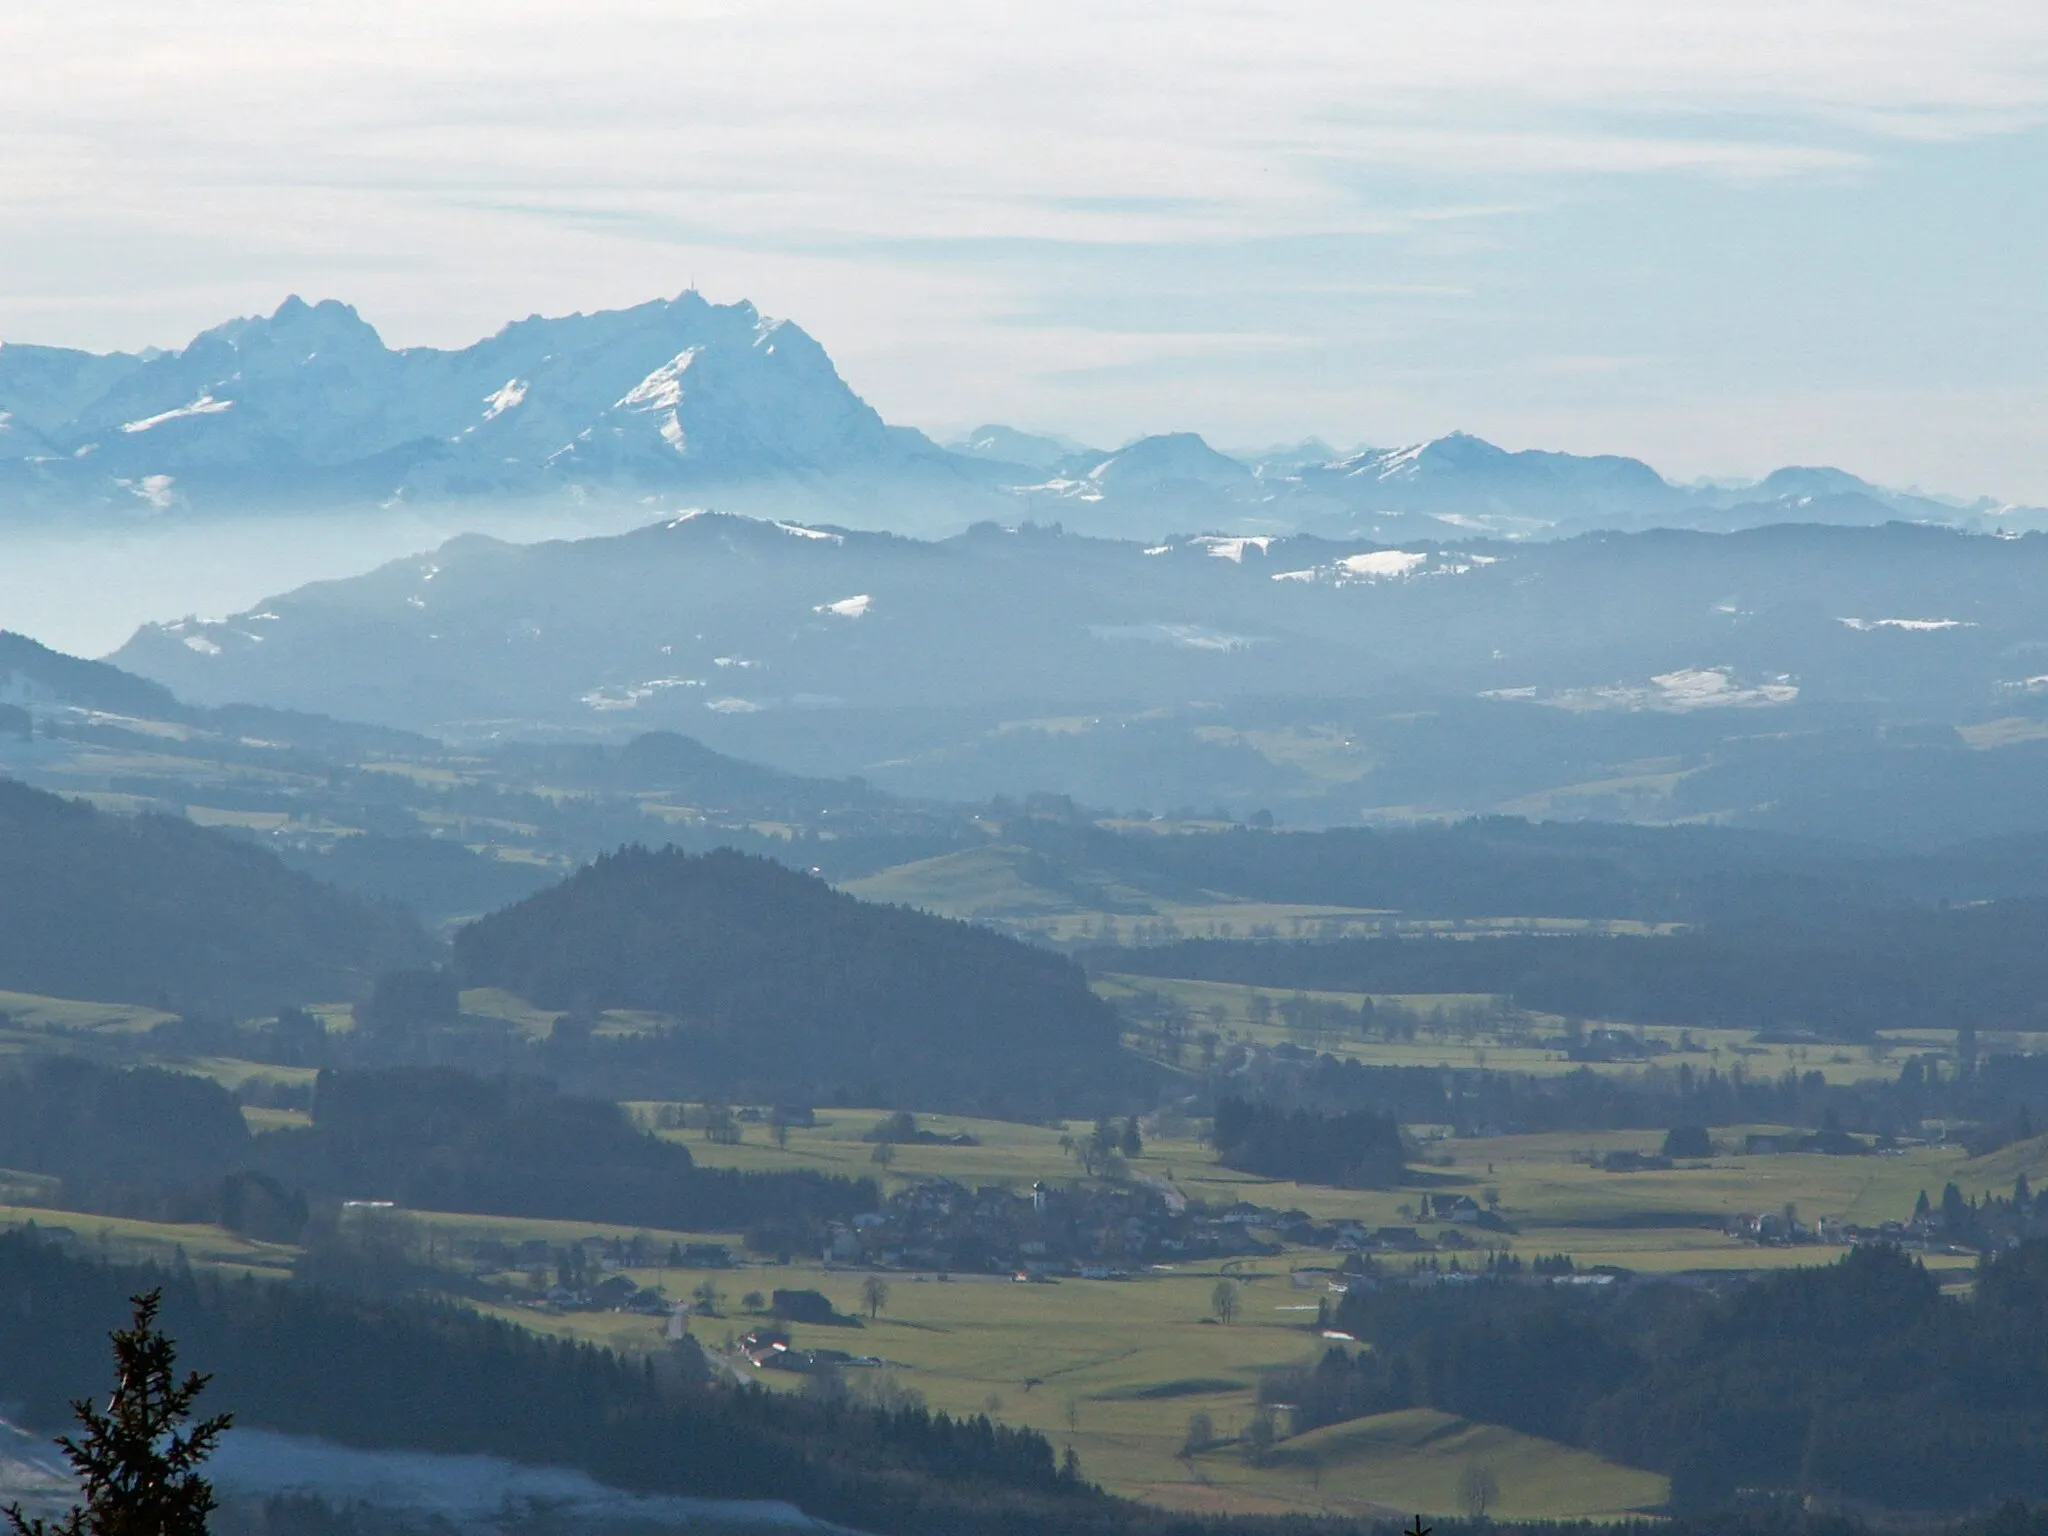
(1107, 1348)
(1011, 888)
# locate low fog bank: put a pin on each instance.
(85, 592)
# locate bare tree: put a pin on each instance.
(1201, 1434)
(1260, 1435)
(1478, 1489)
(1223, 1301)
(874, 1295)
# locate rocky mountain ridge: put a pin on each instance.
(308, 408)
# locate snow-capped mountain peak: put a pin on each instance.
(309, 399)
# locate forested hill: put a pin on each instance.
(30, 671)
(155, 910)
(795, 989)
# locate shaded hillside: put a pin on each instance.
(32, 672)
(423, 1376)
(437, 878)
(1869, 683)
(788, 987)
(682, 765)
(158, 911)
(68, 694)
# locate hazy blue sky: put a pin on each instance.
(1720, 235)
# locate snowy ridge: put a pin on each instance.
(307, 405)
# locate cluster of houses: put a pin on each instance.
(1922, 1234)
(590, 1275)
(769, 1349)
(1107, 1232)
(1782, 1229)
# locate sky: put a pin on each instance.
(1720, 236)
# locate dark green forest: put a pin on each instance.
(789, 989)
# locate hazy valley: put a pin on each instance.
(999, 985)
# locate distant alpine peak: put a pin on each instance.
(308, 402)
(294, 322)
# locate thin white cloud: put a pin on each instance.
(922, 184)
(952, 120)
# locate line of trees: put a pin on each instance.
(173, 1146)
(1890, 968)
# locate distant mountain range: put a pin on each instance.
(308, 406)
(1650, 676)
(682, 398)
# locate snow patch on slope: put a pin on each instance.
(660, 395)
(1186, 637)
(472, 1492)
(1381, 564)
(205, 405)
(798, 530)
(1676, 692)
(512, 392)
(1231, 548)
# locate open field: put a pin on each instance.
(1117, 1367)
(1009, 1153)
(1556, 1199)
(1413, 1461)
(1468, 1030)
(1016, 890)
(28, 1011)
(1292, 920)
(159, 1242)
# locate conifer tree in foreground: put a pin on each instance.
(140, 1470)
